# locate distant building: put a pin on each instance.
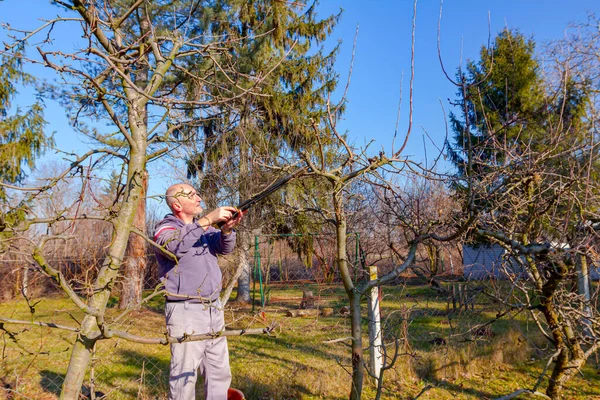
(594, 272)
(485, 261)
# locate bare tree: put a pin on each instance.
(335, 164)
(527, 156)
(133, 69)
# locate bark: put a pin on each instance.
(571, 356)
(244, 240)
(354, 296)
(135, 262)
(107, 276)
(25, 288)
(80, 359)
(560, 377)
(357, 348)
(244, 268)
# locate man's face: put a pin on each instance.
(188, 201)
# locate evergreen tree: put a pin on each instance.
(503, 102)
(22, 134)
(242, 137)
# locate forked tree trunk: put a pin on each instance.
(90, 332)
(135, 261)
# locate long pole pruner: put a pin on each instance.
(275, 186)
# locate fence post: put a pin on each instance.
(375, 349)
(583, 286)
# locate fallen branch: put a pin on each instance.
(338, 340)
(520, 392)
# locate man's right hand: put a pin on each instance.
(221, 214)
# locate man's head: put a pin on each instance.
(184, 201)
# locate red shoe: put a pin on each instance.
(234, 394)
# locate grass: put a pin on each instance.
(296, 364)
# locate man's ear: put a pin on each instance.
(176, 206)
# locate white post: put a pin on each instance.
(375, 349)
(583, 283)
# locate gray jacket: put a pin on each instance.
(195, 273)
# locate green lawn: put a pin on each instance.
(297, 363)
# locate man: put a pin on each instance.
(193, 283)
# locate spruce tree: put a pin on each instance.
(241, 137)
(503, 101)
(22, 134)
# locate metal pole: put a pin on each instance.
(260, 284)
(256, 262)
(375, 350)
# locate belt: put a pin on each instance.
(194, 301)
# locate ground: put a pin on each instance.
(437, 354)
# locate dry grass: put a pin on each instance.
(437, 350)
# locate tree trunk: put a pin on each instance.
(563, 371)
(353, 295)
(244, 239)
(244, 268)
(583, 287)
(108, 274)
(135, 261)
(25, 287)
(571, 357)
(357, 348)
(78, 364)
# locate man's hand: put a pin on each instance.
(232, 222)
(224, 215)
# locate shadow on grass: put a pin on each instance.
(150, 373)
(284, 390)
(51, 381)
(156, 374)
(457, 390)
(278, 356)
(265, 348)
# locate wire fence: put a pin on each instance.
(119, 370)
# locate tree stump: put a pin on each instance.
(344, 311)
(302, 313)
(327, 311)
(308, 300)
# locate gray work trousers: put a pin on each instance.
(210, 356)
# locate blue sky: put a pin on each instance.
(382, 57)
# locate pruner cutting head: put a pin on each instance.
(245, 205)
